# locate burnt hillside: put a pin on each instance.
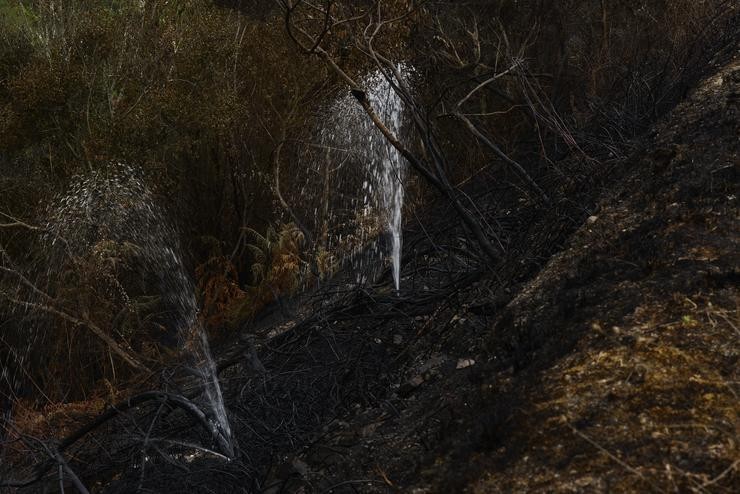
(369, 247)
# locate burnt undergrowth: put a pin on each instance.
(304, 367)
(311, 363)
(478, 374)
(311, 382)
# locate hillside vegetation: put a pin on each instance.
(567, 316)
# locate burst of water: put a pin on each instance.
(115, 205)
(384, 170)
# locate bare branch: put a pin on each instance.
(16, 223)
(514, 165)
(126, 355)
(487, 82)
(276, 162)
(178, 401)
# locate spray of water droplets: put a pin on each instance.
(114, 204)
(350, 131)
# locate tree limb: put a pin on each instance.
(161, 397)
(127, 356)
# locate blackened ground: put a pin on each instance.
(599, 355)
(612, 367)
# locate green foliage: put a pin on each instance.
(12, 14)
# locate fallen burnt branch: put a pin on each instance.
(160, 398)
(55, 456)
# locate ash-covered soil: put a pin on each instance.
(613, 369)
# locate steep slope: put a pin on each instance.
(648, 292)
(614, 369)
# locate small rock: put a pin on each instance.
(300, 467)
(465, 362)
(592, 219)
(416, 381)
(409, 386)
